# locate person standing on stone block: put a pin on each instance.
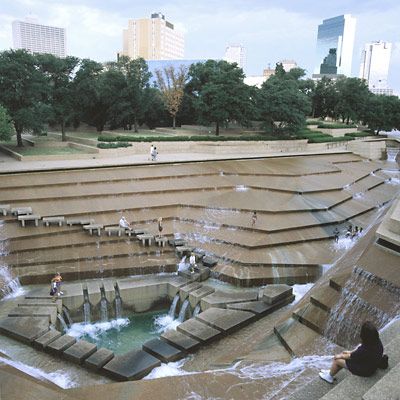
(160, 226)
(254, 218)
(364, 360)
(192, 262)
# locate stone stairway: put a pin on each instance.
(383, 385)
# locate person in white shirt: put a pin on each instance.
(192, 262)
(123, 223)
(151, 153)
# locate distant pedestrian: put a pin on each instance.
(151, 153)
(192, 262)
(123, 223)
(160, 226)
(336, 234)
(56, 286)
(254, 218)
(155, 154)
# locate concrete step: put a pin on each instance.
(312, 316)
(388, 388)
(325, 297)
(338, 282)
(163, 350)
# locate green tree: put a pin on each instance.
(171, 83)
(382, 113)
(6, 125)
(282, 101)
(59, 73)
(219, 93)
(324, 99)
(353, 97)
(23, 91)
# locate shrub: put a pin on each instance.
(329, 139)
(359, 134)
(112, 145)
(335, 126)
(313, 122)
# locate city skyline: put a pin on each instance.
(270, 30)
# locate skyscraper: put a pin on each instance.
(36, 38)
(152, 39)
(374, 67)
(335, 42)
(236, 53)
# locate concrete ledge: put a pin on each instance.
(180, 340)
(185, 290)
(387, 388)
(98, 359)
(162, 350)
(221, 299)
(196, 295)
(133, 365)
(198, 330)
(275, 293)
(25, 329)
(42, 341)
(79, 351)
(61, 344)
(39, 311)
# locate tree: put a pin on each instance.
(219, 93)
(382, 113)
(353, 96)
(59, 74)
(6, 125)
(172, 86)
(282, 102)
(324, 99)
(23, 91)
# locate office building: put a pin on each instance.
(374, 67)
(36, 38)
(335, 43)
(236, 53)
(153, 38)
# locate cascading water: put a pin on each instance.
(86, 307)
(197, 310)
(185, 309)
(66, 316)
(364, 297)
(392, 153)
(174, 305)
(62, 322)
(9, 286)
(118, 303)
(103, 306)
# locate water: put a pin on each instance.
(241, 188)
(197, 310)
(63, 324)
(11, 287)
(118, 303)
(185, 310)
(165, 323)
(86, 312)
(392, 153)
(300, 290)
(173, 309)
(120, 335)
(103, 310)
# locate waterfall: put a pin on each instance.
(364, 297)
(103, 306)
(9, 286)
(184, 309)
(62, 322)
(86, 307)
(392, 153)
(66, 316)
(172, 309)
(118, 303)
(197, 310)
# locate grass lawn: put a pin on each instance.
(45, 151)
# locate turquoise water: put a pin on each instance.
(122, 335)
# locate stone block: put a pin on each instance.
(94, 293)
(163, 350)
(275, 293)
(196, 295)
(221, 299)
(38, 311)
(185, 290)
(209, 261)
(25, 329)
(180, 340)
(98, 359)
(386, 388)
(198, 330)
(204, 272)
(225, 320)
(175, 284)
(79, 351)
(42, 341)
(61, 344)
(133, 365)
(189, 276)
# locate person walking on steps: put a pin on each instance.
(160, 226)
(56, 286)
(364, 360)
(254, 218)
(192, 263)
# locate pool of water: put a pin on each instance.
(120, 335)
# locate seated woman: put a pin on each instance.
(362, 361)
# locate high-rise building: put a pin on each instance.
(236, 53)
(335, 43)
(288, 64)
(374, 67)
(36, 38)
(153, 38)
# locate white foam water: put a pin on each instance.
(241, 188)
(95, 330)
(300, 290)
(344, 243)
(60, 378)
(170, 369)
(12, 288)
(165, 323)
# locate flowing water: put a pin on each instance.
(392, 153)
(197, 310)
(173, 309)
(185, 311)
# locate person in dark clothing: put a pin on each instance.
(362, 361)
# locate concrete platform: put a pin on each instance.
(61, 344)
(42, 341)
(79, 351)
(386, 388)
(162, 350)
(180, 340)
(225, 320)
(221, 299)
(274, 293)
(185, 290)
(198, 330)
(39, 311)
(98, 359)
(25, 329)
(209, 261)
(131, 366)
(196, 295)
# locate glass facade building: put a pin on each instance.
(335, 43)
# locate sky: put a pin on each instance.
(270, 30)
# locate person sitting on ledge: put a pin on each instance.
(363, 360)
(123, 223)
